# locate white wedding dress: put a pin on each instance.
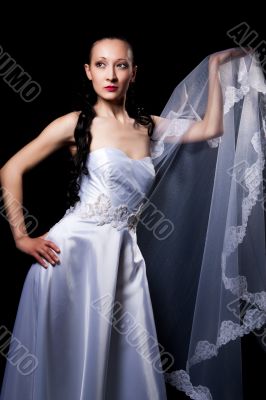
(85, 328)
(88, 325)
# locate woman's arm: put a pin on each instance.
(57, 134)
(211, 126)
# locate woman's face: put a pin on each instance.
(111, 69)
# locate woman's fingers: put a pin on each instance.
(52, 245)
(224, 55)
(46, 255)
(40, 260)
(238, 51)
(52, 255)
(49, 255)
(50, 249)
(41, 249)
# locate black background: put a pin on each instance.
(50, 45)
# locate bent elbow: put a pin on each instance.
(218, 133)
(8, 172)
(214, 133)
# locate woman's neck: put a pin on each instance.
(111, 110)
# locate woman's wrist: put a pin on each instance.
(20, 233)
(213, 63)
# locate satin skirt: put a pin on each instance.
(85, 329)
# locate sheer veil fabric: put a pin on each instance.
(202, 232)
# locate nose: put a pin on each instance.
(111, 74)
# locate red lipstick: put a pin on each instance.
(111, 88)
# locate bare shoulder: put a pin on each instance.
(71, 117)
(66, 125)
(156, 119)
(59, 133)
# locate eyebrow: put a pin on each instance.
(119, 59)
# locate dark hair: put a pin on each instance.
(82, 132)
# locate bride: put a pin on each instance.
(87, 291)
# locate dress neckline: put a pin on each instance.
(121, 151)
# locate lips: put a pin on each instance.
(111, 88)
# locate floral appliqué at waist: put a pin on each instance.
(103, 212)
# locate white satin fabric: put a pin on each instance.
(76, 319)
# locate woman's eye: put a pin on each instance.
(102, 65)
(123, 65)
(99, 64)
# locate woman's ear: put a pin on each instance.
(134, 73)
(87, 71)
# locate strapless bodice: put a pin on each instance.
(115, 187)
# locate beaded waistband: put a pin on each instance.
(103, 212)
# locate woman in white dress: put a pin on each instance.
(88, 284)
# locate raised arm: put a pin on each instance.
(57, 134)
(211, 126)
